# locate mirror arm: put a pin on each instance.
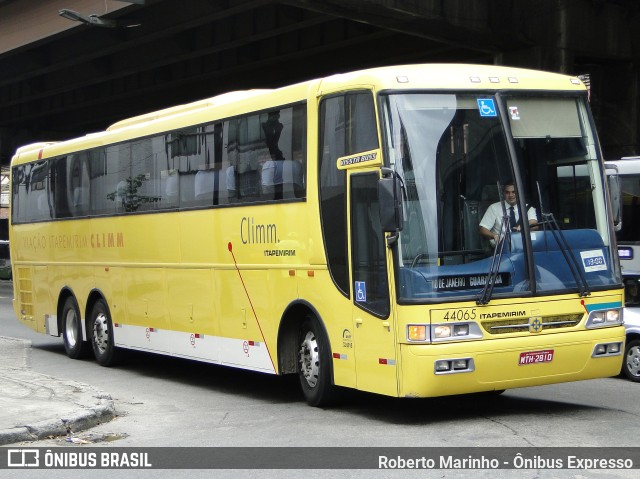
(392, 239)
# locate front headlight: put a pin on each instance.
(455, 331)
(420, 333)
(604, 317)
(443, 331)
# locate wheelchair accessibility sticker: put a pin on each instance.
(361, 292)
(487, 107)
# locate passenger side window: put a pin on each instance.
(252, 158)
(371, 287)
(32, 199)
(267, 153)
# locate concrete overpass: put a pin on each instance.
(61, 78)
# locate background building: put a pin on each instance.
(104, 60)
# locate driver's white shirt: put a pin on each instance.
(492, 218)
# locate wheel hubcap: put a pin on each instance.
(71, 327)
(633, 360)
(310, 359)
(101, 332)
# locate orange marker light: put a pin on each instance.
(417, 332)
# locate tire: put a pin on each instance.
(101, 328)
(74, 345)
(314, 364)
(631, 361)
(496, 392)
(488, 394)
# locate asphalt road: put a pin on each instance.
(172, 402)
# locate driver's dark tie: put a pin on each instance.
(512, 217)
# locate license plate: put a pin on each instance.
(534, 357)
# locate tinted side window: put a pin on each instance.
(78, 188)
(32, 198)
(150, 168)
(267, 154)
(252, 158)
(210, 182)
(283, 173)
(104, 182)
(186, 154)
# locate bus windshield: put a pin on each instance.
(630, 231)
(539, 156)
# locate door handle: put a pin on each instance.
(385, 324)
(358, 322)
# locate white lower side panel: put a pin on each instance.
(51, 325)
(240, 353)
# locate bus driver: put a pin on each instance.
(492, 219)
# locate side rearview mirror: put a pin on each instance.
(615, 194)
(390, 202)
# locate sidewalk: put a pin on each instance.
(34, 406)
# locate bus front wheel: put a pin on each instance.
(102, 334)
(74, 346)
(314, 364)
(631, 363)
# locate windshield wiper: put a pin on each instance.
(578, 275)
(494, 268)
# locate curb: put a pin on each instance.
(102, 412)
(70, 405)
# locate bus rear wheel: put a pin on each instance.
(74, 346)
(314, 364)
(102, 335)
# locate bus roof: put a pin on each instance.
(219, 100)
(454, 77)
(402, 77)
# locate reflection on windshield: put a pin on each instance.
(453, 156)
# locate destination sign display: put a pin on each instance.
(625, 252)
(468, 281)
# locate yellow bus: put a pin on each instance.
(330, 229)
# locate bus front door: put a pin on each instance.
(373, 329)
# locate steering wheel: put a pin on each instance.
(418, 257)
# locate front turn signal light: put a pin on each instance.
(417, 332)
